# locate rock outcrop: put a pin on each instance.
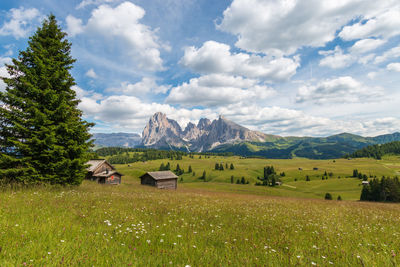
(161, 132)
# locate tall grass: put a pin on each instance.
(134, 225)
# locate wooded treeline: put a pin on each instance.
(385, 190)
(377, 151)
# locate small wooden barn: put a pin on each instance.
(103, 172)
(161, 179)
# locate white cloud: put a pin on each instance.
(218, 90)
(335, 59)
(284, 121)
(129, 113)
(146, 85)
(372, 75)
(339, 90)
(81, 93)
(214, 57)
(85, 3)
(381, 23)
(74, 25)
(120, 31)
(394, 67)
(91, 74)
(366, 45)
(390, 54)
(4, 72)
(284, 26)
(20, 23)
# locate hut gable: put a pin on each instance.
(103, 172)
(160, 179)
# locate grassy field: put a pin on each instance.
(203, 224)
(250, 168)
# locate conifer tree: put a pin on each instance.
(190, 169)
(42, 135)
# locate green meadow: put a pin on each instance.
(212, 223)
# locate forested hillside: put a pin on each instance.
(377, 151)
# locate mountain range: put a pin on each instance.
(223, 135)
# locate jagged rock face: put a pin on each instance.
(160, 128)
(191, 132)
(163, 132)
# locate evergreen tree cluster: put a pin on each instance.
(165, 167)
(377, 151)
(270, 177)
(385, 190)
(359, 175)
(43, 138)
(121, 155)
(241, 181)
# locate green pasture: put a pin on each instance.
(339, 183)
(211, 223)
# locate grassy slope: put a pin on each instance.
(348, 188)
(133, 225)
(203, 224)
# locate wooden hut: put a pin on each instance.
(103, 172)
(161, 179)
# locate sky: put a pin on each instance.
(284, 67)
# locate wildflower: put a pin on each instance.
(298, 256)
(179, 236)
(49, 252)
(62, 241)
(174, 244)
(313, 263)
(323, 257)
(194, 246)
(148, 241)
(358, 256)
(330, 262)
(161, 240)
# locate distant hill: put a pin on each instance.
(377, 151)
(116, 139)
(223, 135)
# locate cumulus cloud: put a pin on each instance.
(91, 74)
(215, 57)
(146, 85)
(20, 22)
(339, 90)
(285, 26)
(218, 90)
(390, 54)
(394, 67)
(120, 30)
(129, 113)
(366, 45)
(380, 23)
(74, 25)
(336, 59)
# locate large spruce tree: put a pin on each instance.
(42, 135)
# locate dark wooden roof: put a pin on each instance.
(161, 175)
(95, 163)
(107, 174)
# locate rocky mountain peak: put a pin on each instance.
(163, 132)
(203, 124)
(159, 127)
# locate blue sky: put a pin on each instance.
(281, 67)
